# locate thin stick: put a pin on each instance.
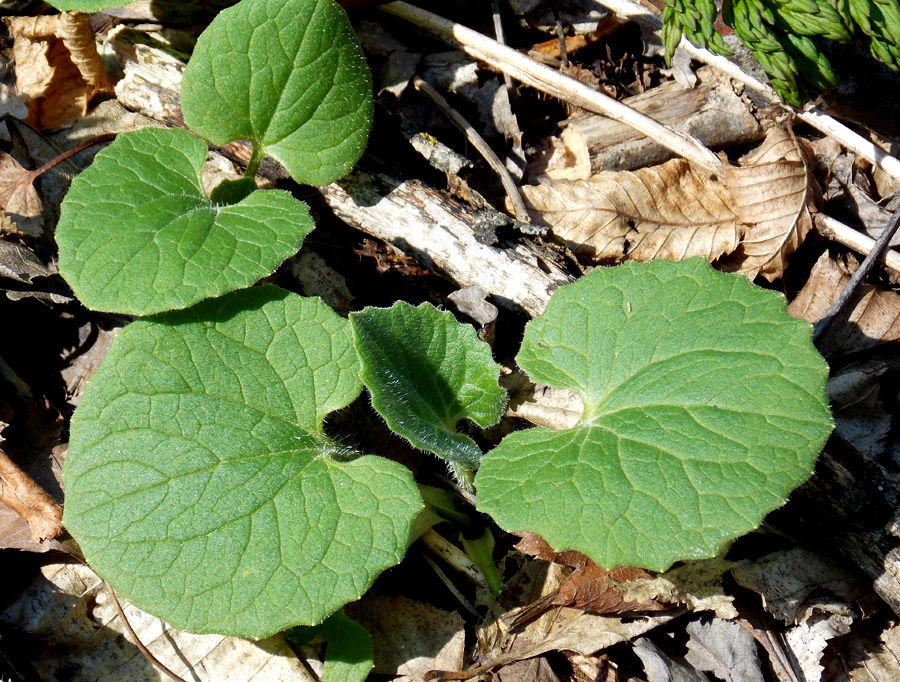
(501, 38)
(858, 277)
(528, 71)
(854, 239)
(563, 54)
(137, 640)
(453, 555)
(509, 185)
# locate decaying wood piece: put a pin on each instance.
(442, 234)
(712, 112)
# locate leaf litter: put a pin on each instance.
(767, 205)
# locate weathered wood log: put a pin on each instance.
(711, 112)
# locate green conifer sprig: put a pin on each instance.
(781, 33)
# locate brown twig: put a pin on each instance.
(509, 185)
(137, 640)
(881, 244)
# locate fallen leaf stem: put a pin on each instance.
(69, 153)
(834, 229)
(137, 640)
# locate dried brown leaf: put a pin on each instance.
(870, 319)
(724, 648)
(19, 492)
(555, 408)
(785, 579)
(589, 587)
(77, 635)
(409, 638)
(21, 204)
(58, 69)
(773, 195)
(877, 662)
(667, 211)
(863, 396)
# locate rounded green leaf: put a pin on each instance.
(198, 481)
(705, 406)
(138, 235)
(426, 371)
(289, 77)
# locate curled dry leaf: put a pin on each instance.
(58, 69)
(19, 492)
(870, 319)
(773, 195)
(589, 587)
(667, 211)
(20, 201)
(863, 397)
(758, 213)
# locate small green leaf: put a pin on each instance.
(705, 406)
(289, 77)
(137, 234)
(425, 372)
(348, 657)
(198, 480)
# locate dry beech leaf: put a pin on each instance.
(870, 319)
(58, 69)
(667, 211)
(20, 201)
(695, 584)
(77, 635)
(19, 492)
(773, 196)
(589, 586)
(409, 638)
(757, 213)
(876, 662)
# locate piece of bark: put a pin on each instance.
(441, 234)
(712, 112)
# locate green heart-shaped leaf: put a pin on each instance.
(198, 480)
(289, 77)
(705, 406)
(137, 234)
(425, 372)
